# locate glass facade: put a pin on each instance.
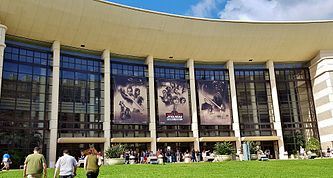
(297, 109)
(25, 103)
(25, 99)
(80, 96)
(254, 101)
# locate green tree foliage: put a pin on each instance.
(224, 148)
(313, 145)
(115, 151)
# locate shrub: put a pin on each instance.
(253, 147)
(313, 145)
(224, 148)
(115, 151)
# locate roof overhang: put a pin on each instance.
(102, 25)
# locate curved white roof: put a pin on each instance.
(124, 30)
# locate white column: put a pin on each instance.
(2, 49)
(190, 65)
(151, 84)
(54, 104)
(235, 118)
(254, 108)
(276, 110)
(107, 99)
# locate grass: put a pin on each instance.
(272, 168)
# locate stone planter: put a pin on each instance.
(254, 157)
(114, 161)
(226, 157)
(220, 158)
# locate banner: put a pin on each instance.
(130, 100)
(213, 103)
(173, 105)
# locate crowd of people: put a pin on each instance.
(168, 156)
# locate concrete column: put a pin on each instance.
(276, 109)
(254, 107)
(235, 118)
(2, 49)
(54, 104)
(190, 65)
(107, 99)
(152, 116)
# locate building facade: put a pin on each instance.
(154, 84)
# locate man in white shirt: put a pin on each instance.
(67, 166)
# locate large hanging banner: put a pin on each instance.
(173, 105)
(130, 100)
(214, 103)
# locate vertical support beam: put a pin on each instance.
(254, 107)
(2, 49)
(151, 84)
(107, 99)
(235, 118)
(276, 110)
(54, 104)
(190, 65)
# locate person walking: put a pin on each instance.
(6, 161)
(66, 165)
(35, 165)
(91, 165)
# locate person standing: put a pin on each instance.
(66, 166)
(193, 156)
(6, 161)
(91, 165)
(35, 165)
(328, 152)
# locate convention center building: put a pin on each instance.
(81, 73)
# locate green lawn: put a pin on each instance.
(272, 168)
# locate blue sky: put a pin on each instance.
(250, 10)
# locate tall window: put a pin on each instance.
(80, 96)
(219, 79)
(254, 102)
(174, 72)
(130, 70)
(25, 98)
(296, 106)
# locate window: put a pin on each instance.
(80, 98)
(254, 101)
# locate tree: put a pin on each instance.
(313, 145)
(224, 148)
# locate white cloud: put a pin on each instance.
(204, 8)
(270, 10)
(277, 10)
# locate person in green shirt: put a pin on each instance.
(35, 165)
(91, 164)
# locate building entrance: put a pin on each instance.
(270, 148)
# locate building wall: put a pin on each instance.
(322, 81)
(81, 96)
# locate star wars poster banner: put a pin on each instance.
(213, 103)
(130, 100)
(173, 105)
